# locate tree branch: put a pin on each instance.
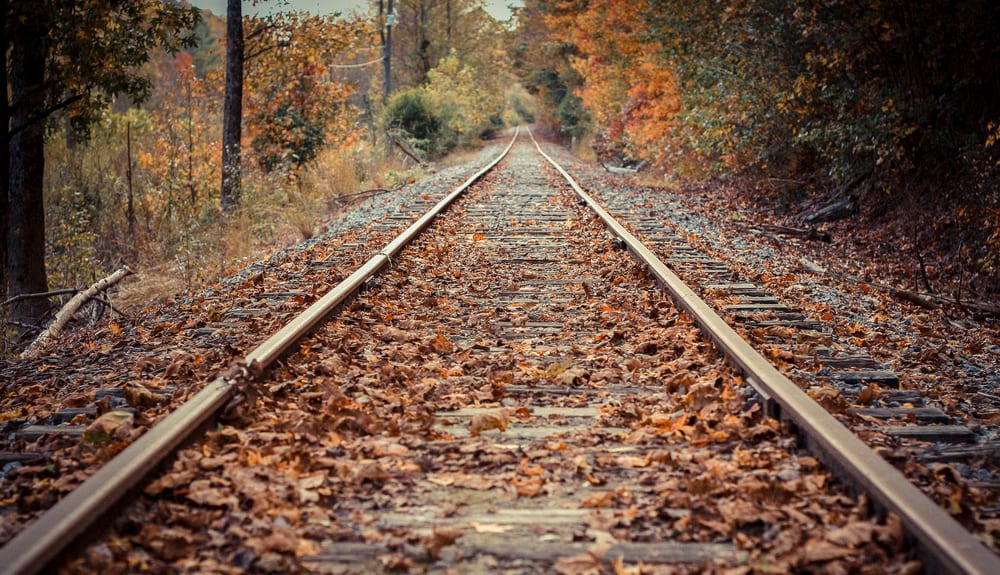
(71, 307)
(45, 113)
(265, 50)
(22, 296)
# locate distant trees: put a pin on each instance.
(865, 95)
(295, 103)
(885, 101)
(450, 68)
(425, 31)
(67, 58)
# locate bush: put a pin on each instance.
(413, 115)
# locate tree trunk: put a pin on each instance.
(26, 229)
(232, 111)
(4, 155)
(386, 34)
(423, 44)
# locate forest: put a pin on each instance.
(118, 114)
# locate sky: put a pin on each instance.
(498, 8)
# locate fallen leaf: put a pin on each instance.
(820, 551)
(372, 471)
(440, 344)
(440, 538)
(633, 461)
(139, 396)
(486, 421)
(171, 543)
(306, 547)
(113, 424)
(529, 487)
(395, 561)
(589, 563)
(489, 527)
(851, 535)
(600, 500)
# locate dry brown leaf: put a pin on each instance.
(600, 500)
(372, 471)
(202, 492)
(138, 395)
(738, 511)
(389, 333)
(489, 527)
(440, 344)
(111, 425)
(789, 538)
(820, 551)
(171, 543)
(529, 487)
(591, 562)
(867, 395)
(306, 548)
(633, 461)
(440, 538)
(573, 376)
(828, 397)
(464, 480)
(312, 481)
(488, 420)
(210, 463)
(851, 535)
(395, 561)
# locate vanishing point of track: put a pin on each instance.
(558, 396)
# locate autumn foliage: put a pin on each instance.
(893, 104)
(143, 186)
(631, 99)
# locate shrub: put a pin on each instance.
(413, 115)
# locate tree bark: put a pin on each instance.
(26, 224)
(423, 44)
(387, 54)
(232, 111)
(4, 154)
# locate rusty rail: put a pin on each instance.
(42, 541)
(945, 545)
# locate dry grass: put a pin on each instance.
(147, 286)
(583, 148)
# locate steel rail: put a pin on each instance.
(945, 545)
(47, 537)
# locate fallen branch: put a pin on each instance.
(913, 297)
(909, 296)
(620, 171)
(402, 146)
(984, 308)
(104, 300)
(72, 306)
(835, 211)
(808, 233)
(812, 266)
(365, 194)
(22, 296)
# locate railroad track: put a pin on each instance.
(513, 393)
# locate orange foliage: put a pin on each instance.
(632, 99)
